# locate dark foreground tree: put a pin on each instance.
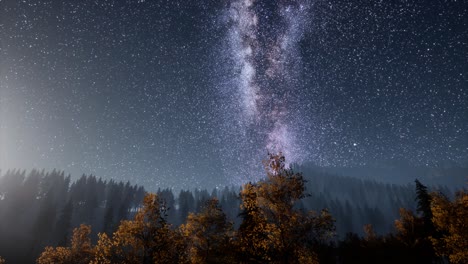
(424, 199)
(414, 242)
(414, 231)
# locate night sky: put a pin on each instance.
(195, 93)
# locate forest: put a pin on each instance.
(285, 218)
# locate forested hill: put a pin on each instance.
(41, 208)
(355, 202)
(452, 175)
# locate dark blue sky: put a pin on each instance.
(195, 93)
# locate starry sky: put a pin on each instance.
(195, 93)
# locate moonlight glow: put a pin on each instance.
(195, 93)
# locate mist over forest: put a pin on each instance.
(42, 208)
(233, 131)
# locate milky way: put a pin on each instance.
(196, 93)
(263, 115)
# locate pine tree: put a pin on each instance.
(186, 205)
(424, 205)
(63, 224)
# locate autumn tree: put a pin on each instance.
(209, 235)
(80, 252)
(254, 232)
(146, 239)
(409, 228)
(273, 229)
(451, 221)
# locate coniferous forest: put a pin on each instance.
(135, 131)
(284, 218)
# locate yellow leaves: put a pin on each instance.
(81, 250)
(369, 232)
(103, 250)
(406, 226)
(55, 255)
(208, 235)
(81, 243)
(128, 235)
(145, 237)
(441, 208)
(272, 227)
(306, 256)
(451, 221)
(272, 230)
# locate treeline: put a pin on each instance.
(39, 208)
(451, 175)
(356, 202)
(275, 228)
(42, 208)
(274, 220)
(436, 233)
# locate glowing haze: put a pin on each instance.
(191, 94)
